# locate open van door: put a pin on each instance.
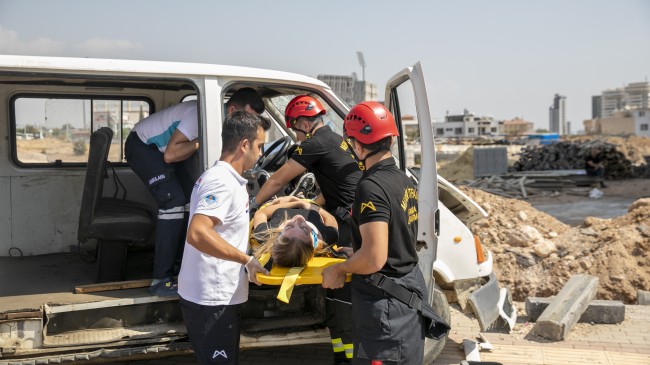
(406, 98)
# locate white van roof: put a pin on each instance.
(118, 66)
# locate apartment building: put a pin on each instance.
(466, 125)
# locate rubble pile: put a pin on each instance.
(567, 155)
(535, 254)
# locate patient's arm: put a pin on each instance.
(328, 219)
(263, 214)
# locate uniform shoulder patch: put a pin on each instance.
(298, 150)
(368, 205)
(209, 200)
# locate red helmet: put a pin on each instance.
(302, 106)
(369, 122)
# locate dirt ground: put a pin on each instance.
(535, 253)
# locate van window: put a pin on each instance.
(404, 110)
(331, 118)
(56, 131)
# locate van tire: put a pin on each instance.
(433, 348)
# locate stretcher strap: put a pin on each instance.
(288, 283)
(264, 258)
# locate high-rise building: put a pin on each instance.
(633, 96)
(596, 106)
(349, 89)
(557, 116)
(611, 101)
(636, 95)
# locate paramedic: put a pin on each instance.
(212, 282)
(160, 150)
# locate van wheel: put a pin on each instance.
(433, 348)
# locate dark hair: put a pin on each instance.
(240, 126)
(314, 119)
(382, 144)
(247, 96)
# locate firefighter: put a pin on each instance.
(337, 175)
(384, 231)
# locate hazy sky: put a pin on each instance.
(500, 58)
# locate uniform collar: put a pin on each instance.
(387, 162)
(231, 169)
(323, 128)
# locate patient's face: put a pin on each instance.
(298, 228)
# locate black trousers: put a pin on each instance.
(339, 301)
(384, 328)
(213, 331)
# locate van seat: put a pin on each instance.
(114, 223)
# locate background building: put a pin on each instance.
(466, 125)
(517, 127)
(623, 111)
(596, 106)
(351, 90)
(621, 122)
(557, 115)
(632, 96)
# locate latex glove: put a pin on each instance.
(252, 268)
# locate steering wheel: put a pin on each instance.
(273, 154)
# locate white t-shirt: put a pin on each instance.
(220, 192)
(158, 127)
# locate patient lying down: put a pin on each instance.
(292, 231)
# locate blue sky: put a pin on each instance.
(505, 58)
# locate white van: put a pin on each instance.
(52, 308)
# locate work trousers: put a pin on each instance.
(339, 301)
(384, 328)
(171, 187)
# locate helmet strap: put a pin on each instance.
(311, 130)
(362, 162)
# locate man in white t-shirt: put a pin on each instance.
(160, 150)
(212, 282)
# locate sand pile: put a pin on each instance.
(461, 168)
(535, 254)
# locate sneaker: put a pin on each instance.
(164, 288)
(305, 185)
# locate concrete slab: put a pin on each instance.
(643, 297)
(598, 311)
(565, 309)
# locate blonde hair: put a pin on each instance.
(285, 251)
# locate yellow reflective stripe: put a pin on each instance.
(349, 350)
(337, 345)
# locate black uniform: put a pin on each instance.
(337, 173)
(327, 156)
(384, 328)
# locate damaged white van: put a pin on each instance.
(72, 292)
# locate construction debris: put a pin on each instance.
(565, 309)
(567, 155)
(598, 311)
(643, 297)
(472, 348)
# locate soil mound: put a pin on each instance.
(461, 168)
(535, 254)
